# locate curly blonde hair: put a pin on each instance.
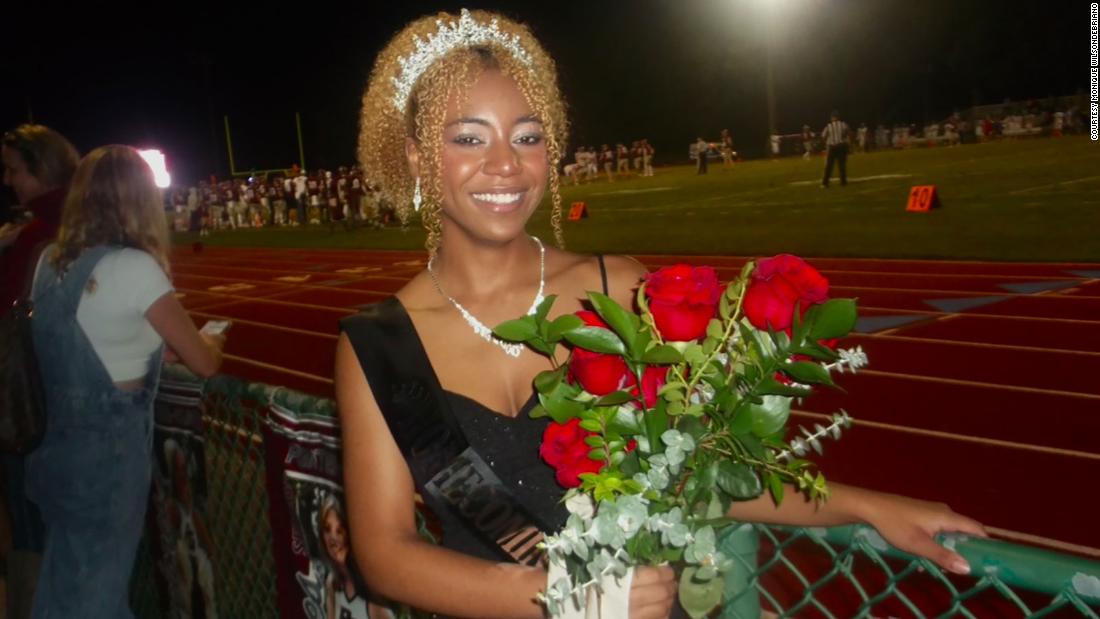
(383, 129)
(113, 200)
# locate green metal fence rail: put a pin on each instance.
(837, 572)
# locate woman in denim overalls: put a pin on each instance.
(90, 476)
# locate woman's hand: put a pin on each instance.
(652, 592)
(911, 525)
(216, 341)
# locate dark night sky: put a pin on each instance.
(666, 70)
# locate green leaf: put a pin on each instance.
(598, 454)
(562, 324)
(800, 324)
(697, 597)
(725, 308)
(672, 555)
(807, 372)
(592, 425)
(625, 422)
(662, 355)
(630, 465)
(639, 297)
(775, 486)
(833, 318)
(705, 478)
(718, 507)
(769, 416)
(594, 441)
(518, 330)
(621, 321)
(770, 386)
(753, 445)
(656, 422)
(615, 398)
(693, 354)
(596, 339)
(544, 308)
(741, 421)
(747, 270)
(560, 409)
(538, 411)
(692, 426)
(715, 329)
(541, 345)
(710, 345)
(547, 381)
(761, 342)
(739, 480)
(725, 400)
(675, 408)
(816, 351)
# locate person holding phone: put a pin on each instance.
(104, 312)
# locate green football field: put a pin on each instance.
(1025, 200)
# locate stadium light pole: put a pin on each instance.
(770, 78)
(771, 10)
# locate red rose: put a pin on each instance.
(598, 373)
(569, 474)
(653, 378)
(563, 448)
(683, 299)
(777, 285)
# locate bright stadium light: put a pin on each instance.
(157, 162)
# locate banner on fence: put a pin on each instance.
(181, 542)
(317, 575)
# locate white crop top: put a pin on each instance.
(128, 281)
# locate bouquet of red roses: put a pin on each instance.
(664, 417)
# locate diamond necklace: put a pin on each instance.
(512, 350)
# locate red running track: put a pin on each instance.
(982, 389)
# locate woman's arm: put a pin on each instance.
(330, 597)
(908, 524)
(200, 352)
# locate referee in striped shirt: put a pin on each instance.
(835, 135)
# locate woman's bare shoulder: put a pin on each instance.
(623, 272)
(418, 293)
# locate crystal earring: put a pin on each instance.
(417, 198)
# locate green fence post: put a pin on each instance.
(741, 544)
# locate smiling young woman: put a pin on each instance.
(463, 124)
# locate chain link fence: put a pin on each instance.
(829, 573)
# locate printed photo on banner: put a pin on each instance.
(316, 568)
(331, 587)
(184, 542)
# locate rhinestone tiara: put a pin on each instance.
(466, 32)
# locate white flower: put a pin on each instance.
(581, 504)
(679, 445)
(632, 514)
(658, 478)
(798, 446)
(604, 564)
(557, 595)
(673, 531)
